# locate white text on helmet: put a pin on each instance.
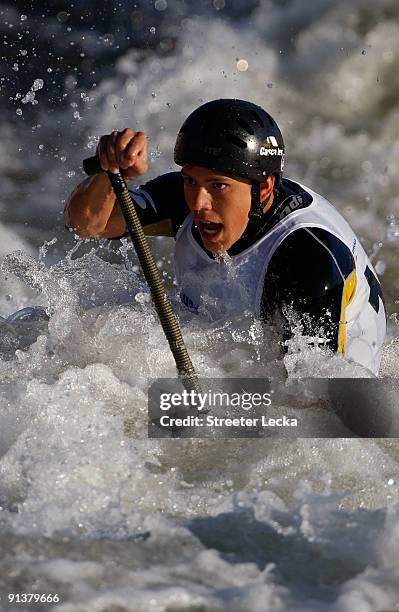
(266, 151)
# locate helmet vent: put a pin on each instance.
(258, 119)
(236, 141)
(245, 126)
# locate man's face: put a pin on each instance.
(220, 204)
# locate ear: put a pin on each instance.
(267, 187)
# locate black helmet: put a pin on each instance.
(232, 136)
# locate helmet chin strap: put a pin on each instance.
(256, 211)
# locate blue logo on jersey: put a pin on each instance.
(188, 302)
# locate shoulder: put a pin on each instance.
(310, 260)
(171, 181)
(291, 190)
(289, 197)
(166, 186)
(160, 199)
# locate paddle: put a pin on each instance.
(160, 298)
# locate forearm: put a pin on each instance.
(92, 209)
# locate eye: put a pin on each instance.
(220, 186)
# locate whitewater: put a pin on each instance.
(91, 508)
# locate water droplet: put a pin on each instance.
(364, 52)
(107, 39)
(155, 154)
(29, 97)
(270, 85)
(242, 65)
(367, 166)
(92, 142)
(153, 94)
(37, 84)
(219, 4)
(152, 30)
(161, 5)
(24, 17)
(19, 111)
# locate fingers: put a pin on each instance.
(107, 153)
(137, 147)
(123, 150)
(123, 140)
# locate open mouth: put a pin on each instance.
(209, 229)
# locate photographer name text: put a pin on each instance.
(215, 421)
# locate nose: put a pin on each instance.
(201, 200)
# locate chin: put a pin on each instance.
(216, 248)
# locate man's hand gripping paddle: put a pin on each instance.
(160, 298)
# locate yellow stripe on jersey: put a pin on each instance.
(347, 296)
(162, 228)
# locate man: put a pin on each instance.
(246, 239)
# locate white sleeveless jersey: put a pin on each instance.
(226, 286)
